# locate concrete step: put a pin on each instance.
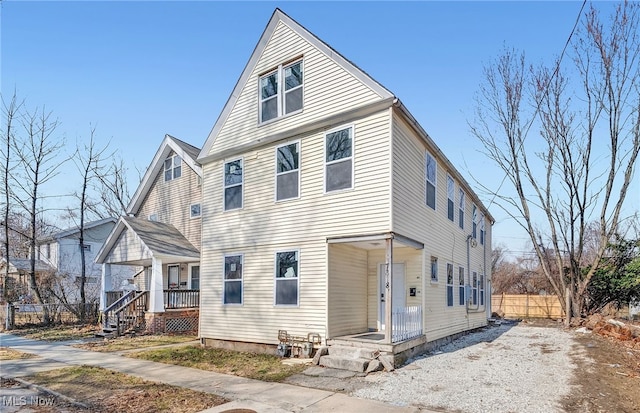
(353, 352)
(345, 363)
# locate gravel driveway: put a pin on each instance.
(507, 368)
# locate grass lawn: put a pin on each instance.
(109, 391)
(57, 333)
(7, 353)
(263, 367)
(135, 342)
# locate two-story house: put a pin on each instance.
(160, 236)
(327, 209)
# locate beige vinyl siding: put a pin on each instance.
(347, 284)
(258, 319)
(264, 226)
(412, 260)
(442, 238)
(328, 89)
(172, 200)
(128, 247)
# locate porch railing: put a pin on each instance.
(181, 299)
(407, 323)
(127, 312)
(113, 296)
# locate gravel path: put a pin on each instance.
(501, 369)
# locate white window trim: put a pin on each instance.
(173, 167)
(224, 280)
(451, 197)
(474, 221)
(352, 157)
(280, 96)
(463, 286)
(481, 281)
(474, 288)
(434, 183)
(483, 233)
(275, 278)
(436, 281)
(462, 205)
(275, 194)
(452, 285)
(191, 216)
(224, 186)
(189, 273)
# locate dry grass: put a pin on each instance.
(108, 391)
(263, 367)
(57, 333)
(135, 342)
(7, 353)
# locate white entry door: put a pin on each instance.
(398, 291)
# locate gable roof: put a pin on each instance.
(24, 264)
(277, 17)
(159, 238)
(74, 230)
(187, 152)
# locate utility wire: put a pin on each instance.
(546, 91)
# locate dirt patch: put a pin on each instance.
(105, 391)
(7, 353)
(608, 380)
(265, 367)
(134, 342)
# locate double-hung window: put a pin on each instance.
(430, 173)
(474, 288)
(481, 289)
(461, 209)
(449, 285)
(461, 296)
(474, 222)
(279, 98)
(482, 233)
(172, 168)
(434, 269)
(233, 180)
(451, 193)
(288, 171)
(338, 168)
(287, 278)
(232, 291)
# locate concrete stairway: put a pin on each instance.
(350, 358)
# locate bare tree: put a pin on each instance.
(88, 160)
(39, 159)
(10, 111)
(581, 164)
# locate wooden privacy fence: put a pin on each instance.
(527, 306)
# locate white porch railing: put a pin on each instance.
(407, 323)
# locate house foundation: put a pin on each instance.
(183, 321)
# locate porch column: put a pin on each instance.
(156, 292)
(388, 302)
(105, 285)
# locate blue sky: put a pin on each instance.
(139, 70)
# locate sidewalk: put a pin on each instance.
(256, 395)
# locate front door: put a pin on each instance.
(399, 296)
(173, 278)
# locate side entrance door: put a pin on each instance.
(399, 296)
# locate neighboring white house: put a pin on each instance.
(327, 209)
(62, 252)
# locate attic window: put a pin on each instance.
(172, 168)
(279, 98)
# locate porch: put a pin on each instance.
(372, 279)
(168, 282)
